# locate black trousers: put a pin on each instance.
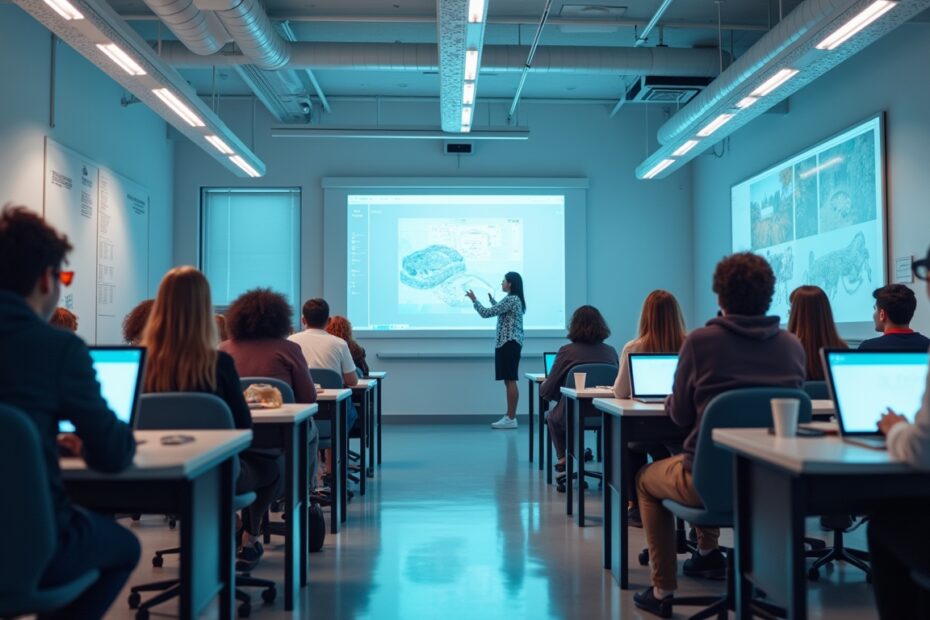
(92, 541)
(898, 544)
(264, 475)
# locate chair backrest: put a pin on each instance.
(29, 517)
(817, 390)
(183, 411)
(327, 378)
(287, 394)
(597, 374)
(744, 408)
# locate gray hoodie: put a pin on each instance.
(731, 352)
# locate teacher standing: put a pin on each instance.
(509, 313)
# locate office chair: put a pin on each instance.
(817, 390)
(190, 411)
(30, 517)
(331, 380)
(597, 374)
(713, 480)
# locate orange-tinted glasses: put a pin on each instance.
(66, 277)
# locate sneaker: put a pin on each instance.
(248, 556)
(633, 518)
(647, 601)
(710, 566)
(505, 422)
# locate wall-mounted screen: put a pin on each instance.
(819, 218)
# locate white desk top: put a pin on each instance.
(629, 407)
(155, 461)
(808, 455)
(538, 377)
(381, 374)
(588, 392)
(288, 412)
(331, 394)
(365, 384)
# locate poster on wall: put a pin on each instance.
(122, 252)
(71, 203)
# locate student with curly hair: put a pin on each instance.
(65, 319)
(340, 327)
(134, 323)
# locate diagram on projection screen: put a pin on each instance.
(819, 219)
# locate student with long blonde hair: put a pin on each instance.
(811, 320)
(181, 338)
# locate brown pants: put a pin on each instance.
(667, 479)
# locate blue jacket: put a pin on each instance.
(47, 373)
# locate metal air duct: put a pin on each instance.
(201, 32)
(249, 26)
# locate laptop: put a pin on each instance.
(119, 372)
(865, 384)
(549, 361)
(652, 376)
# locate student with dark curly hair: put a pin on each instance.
(134, 323)
(741, 348)
(259, 322)
(65, 319)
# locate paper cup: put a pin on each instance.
(785, 416)
(579, 380)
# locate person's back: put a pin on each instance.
(899, 341)
(323, 350)
(895, 305)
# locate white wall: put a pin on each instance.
(88, 118)
(639, 234)
(889, 76)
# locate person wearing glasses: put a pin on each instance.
(898, 543)
(47, 373)
(895, 305)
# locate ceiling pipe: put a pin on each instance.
(251, 29)
(288, 33)
(200, 31)
(529, 59)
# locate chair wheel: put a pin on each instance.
(158, 561)
(643, 557)
(135, 599)
(142, 614)
(269, 595)
(245, 610)
(813, 574)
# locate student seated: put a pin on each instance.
(741, 348)
(134, 323)
(65, 319)
(661, 330)
(47, 373)
(894, 308)
(898, 542)
(259, 322)
(340, 327)
(181, 339)
(587, 331)
(811, 320)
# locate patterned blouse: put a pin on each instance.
(509, 313)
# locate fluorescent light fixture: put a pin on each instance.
(219, 145)
(857, 23)
(468, 93)
(466, 115)
(121, 58)
(684, 148)
(774, 82)
(476, 11)
(465, 129)
(471, 65)
(244, 165)
(65, 9)
(659, 167)
(745, 102)
(170, 100)
(714, 125)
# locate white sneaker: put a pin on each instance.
(505, 422)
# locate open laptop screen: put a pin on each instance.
(864, 384)
(549, 359)
(119, 372)
(652, 374)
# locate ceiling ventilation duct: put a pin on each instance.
(782, 62)
(251, 29)
(201, 32)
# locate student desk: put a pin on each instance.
(822, 410)
(334, 406)
(288, 427)
(626, 421)
(379, 376)
(363, 394)
(534, 378)
(193, 480)
(779, 481)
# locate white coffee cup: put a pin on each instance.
(785, 416)
(579, 380)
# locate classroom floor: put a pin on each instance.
(459, 525)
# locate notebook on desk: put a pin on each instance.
(119, 372)
(652, 376)
(865, 384)
(548, 362)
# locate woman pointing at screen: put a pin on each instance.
(509, 313)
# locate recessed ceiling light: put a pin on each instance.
(684, 148)
(714, 125)
(774, 82)
(178, 107)
(659, 167)
(65, 9)
(121, 58)
(856, 24)
(471, 65)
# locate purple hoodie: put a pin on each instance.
(731, 352)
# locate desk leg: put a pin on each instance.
(622, 468)
(335, 507)
(380, 387)
(303, 496)
(543, 444)
(292, 533)
(569, 458)
(607, 496)
(742, 539)
(579, 438)
(363, 439)
(227, 531)
(529, 390)
(344, 450)
(373, 429)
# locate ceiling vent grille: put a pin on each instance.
(660, 89)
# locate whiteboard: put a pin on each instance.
(106, 219)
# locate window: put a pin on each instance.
(251, 238)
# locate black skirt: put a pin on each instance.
(507, 360)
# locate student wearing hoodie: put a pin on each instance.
(740, 348)
(47, 373)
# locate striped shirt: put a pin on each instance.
(509, 313)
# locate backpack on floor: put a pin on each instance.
(316, 526)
